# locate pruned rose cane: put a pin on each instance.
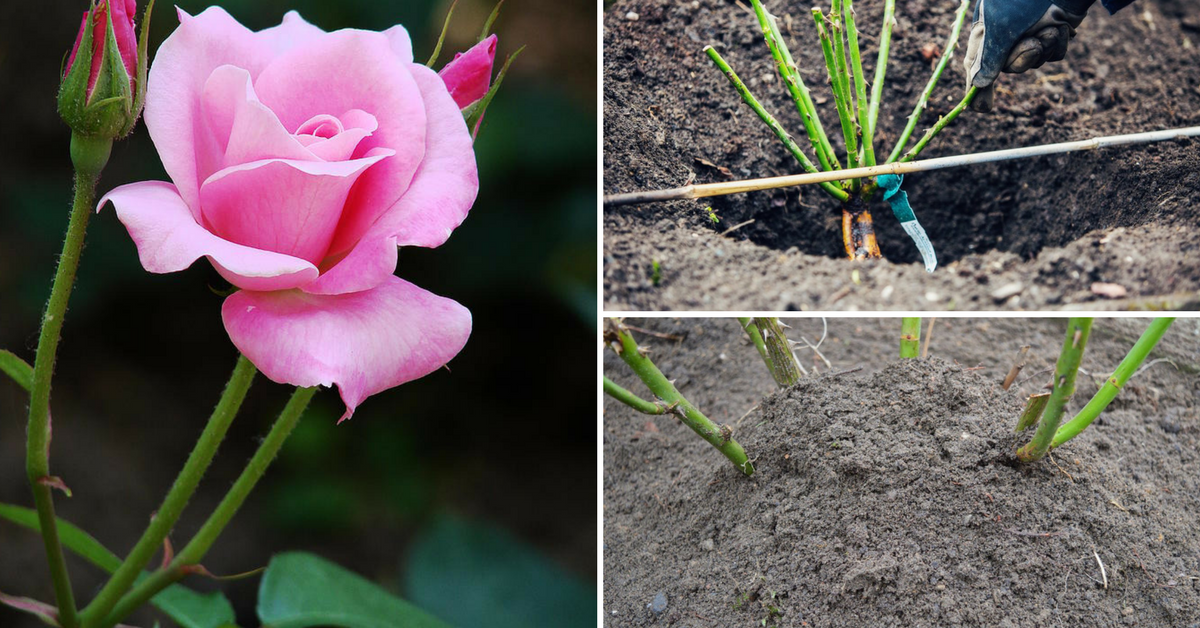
(299, 161)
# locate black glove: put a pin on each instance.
(1015, 36)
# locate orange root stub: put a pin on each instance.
(858, 233)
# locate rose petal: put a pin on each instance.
(293, 31)
(358, 125)
(290, 207)
(469, 75)
(244, 128)
(348, 70)
(434, 205)
(177, 77)
(168, 239)
(400, 42)
(364, 342)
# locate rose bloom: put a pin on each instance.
(300, 160)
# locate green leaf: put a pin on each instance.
(16, 368)
(476, 575)
(487, 26)
(190, 609)
(301, 589)
(477, 109)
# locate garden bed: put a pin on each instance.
(890, 495)
(1029, 234)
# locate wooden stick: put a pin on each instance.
(704, 190)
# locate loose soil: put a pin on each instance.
(1029, 234)
(890, 496)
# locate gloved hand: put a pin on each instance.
(1015, 36)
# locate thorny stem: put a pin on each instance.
(860, 88)
(614, 390)
(190, 556)
(756, 338)
(1109, 390)
(177, 497)
(942, 123)
(720, 437)
(786, 372)
(885, 43)
(1078, 330)
(923, 101)
(910, 337)
(796, 87)
(835, 63)
(770, 121)
(37, 452)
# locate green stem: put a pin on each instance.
(1034, 407)
(910, 337)
(177, 497)
(860, 88)
(37, 452)
(942, 123)
(770, 121)
(756, 338)
(837, 81)
(720, 437)
(786, 371)
(1078, 330)
(195, 550)
(1109, 390)
(796, 87)
(923, 101)
(616, 391)
(885, 44)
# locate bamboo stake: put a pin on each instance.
(1078, 330)
(885, 44)
(1109, 391)
(770, 183)
(771, 122)
(796, 87)
(923, 101)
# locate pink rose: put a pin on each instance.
(122, 19)
(301, 160)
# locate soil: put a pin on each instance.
(890, 496)
(1029, 234)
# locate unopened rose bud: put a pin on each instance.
(469, 75)
(103, 84)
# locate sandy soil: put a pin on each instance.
(889, 496)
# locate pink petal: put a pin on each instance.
(241, 126)
(168, 239)
(469, 75)
(400, 42)
(348, 70)
(180, 70)
(282, 205)
(435, 204)
(364, 342)
(292, 32)
(358, 125)
(122, 19)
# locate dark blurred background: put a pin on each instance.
(494, 461)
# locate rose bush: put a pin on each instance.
(300, 160)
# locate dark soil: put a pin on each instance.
(890, 497)
(1053, 225)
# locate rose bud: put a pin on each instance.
(104, 82)
(469, 75)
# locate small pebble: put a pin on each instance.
(659, 604)
(707, 544)
(932, 297)
(1008, 290)
(631, 16)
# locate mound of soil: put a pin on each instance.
(1029, 234)
(891, 498)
